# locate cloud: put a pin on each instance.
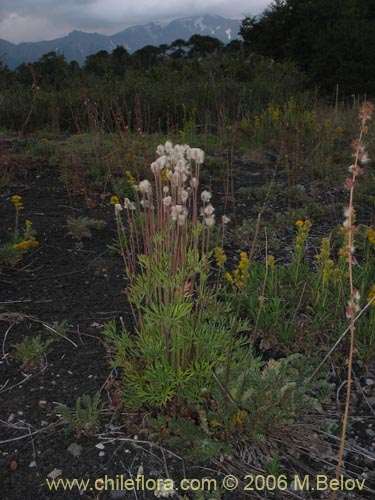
(45, 19)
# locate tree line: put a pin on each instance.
(53, 70)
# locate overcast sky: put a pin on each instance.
(34, 20)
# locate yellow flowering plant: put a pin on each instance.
(21, 241)
(303, 229)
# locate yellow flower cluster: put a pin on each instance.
(114, 200)
(371, 295)
(26, 245)
(275, 114)
(220, 257)
(131, 180)
(244, 123)
(271, 261)
(303, 228)
(370, 233)
(241, 274)
(16, 200)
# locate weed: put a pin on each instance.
(31, 352)
(273, 467)
(80, 227)
(84, 419)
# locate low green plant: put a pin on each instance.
(81, 227)
(197, 442)
(31, 352)
(84, 419)
(273, 466)
(273, 397)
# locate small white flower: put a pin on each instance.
(158, 165)
(118, 208)
(356, 296)
(225, 219)
(348, 211)
(160, 150)
(181, 219)
(168, 147)
(209, 210)
(147, 204)
(181, 166)
(206, 196)
(195, 154)
(175, 212)
(184, 195)
(165, 189)
(154, 168)
(129, 205)
(145, 187)
(167, 201)
(365, 158)
(174, 178)
(194, 182)
(170, 175)
(210, 221)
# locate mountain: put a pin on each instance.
(78, 45)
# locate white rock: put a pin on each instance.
(75, 449)
(55, 473)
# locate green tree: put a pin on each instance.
(201, 46)
(177, 48)
(52, 70)
(146, 56)
(333, 42)
(120, 60)
(99, 64)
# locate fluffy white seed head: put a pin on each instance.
(210, 221)
(194, 182)
(205, 196)
(167, 201)
(129, 205)
(195, 154)
(168, 147)
(184, 195)
(118, 208)
(160, 150)
(209, 210)
(145, 187)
